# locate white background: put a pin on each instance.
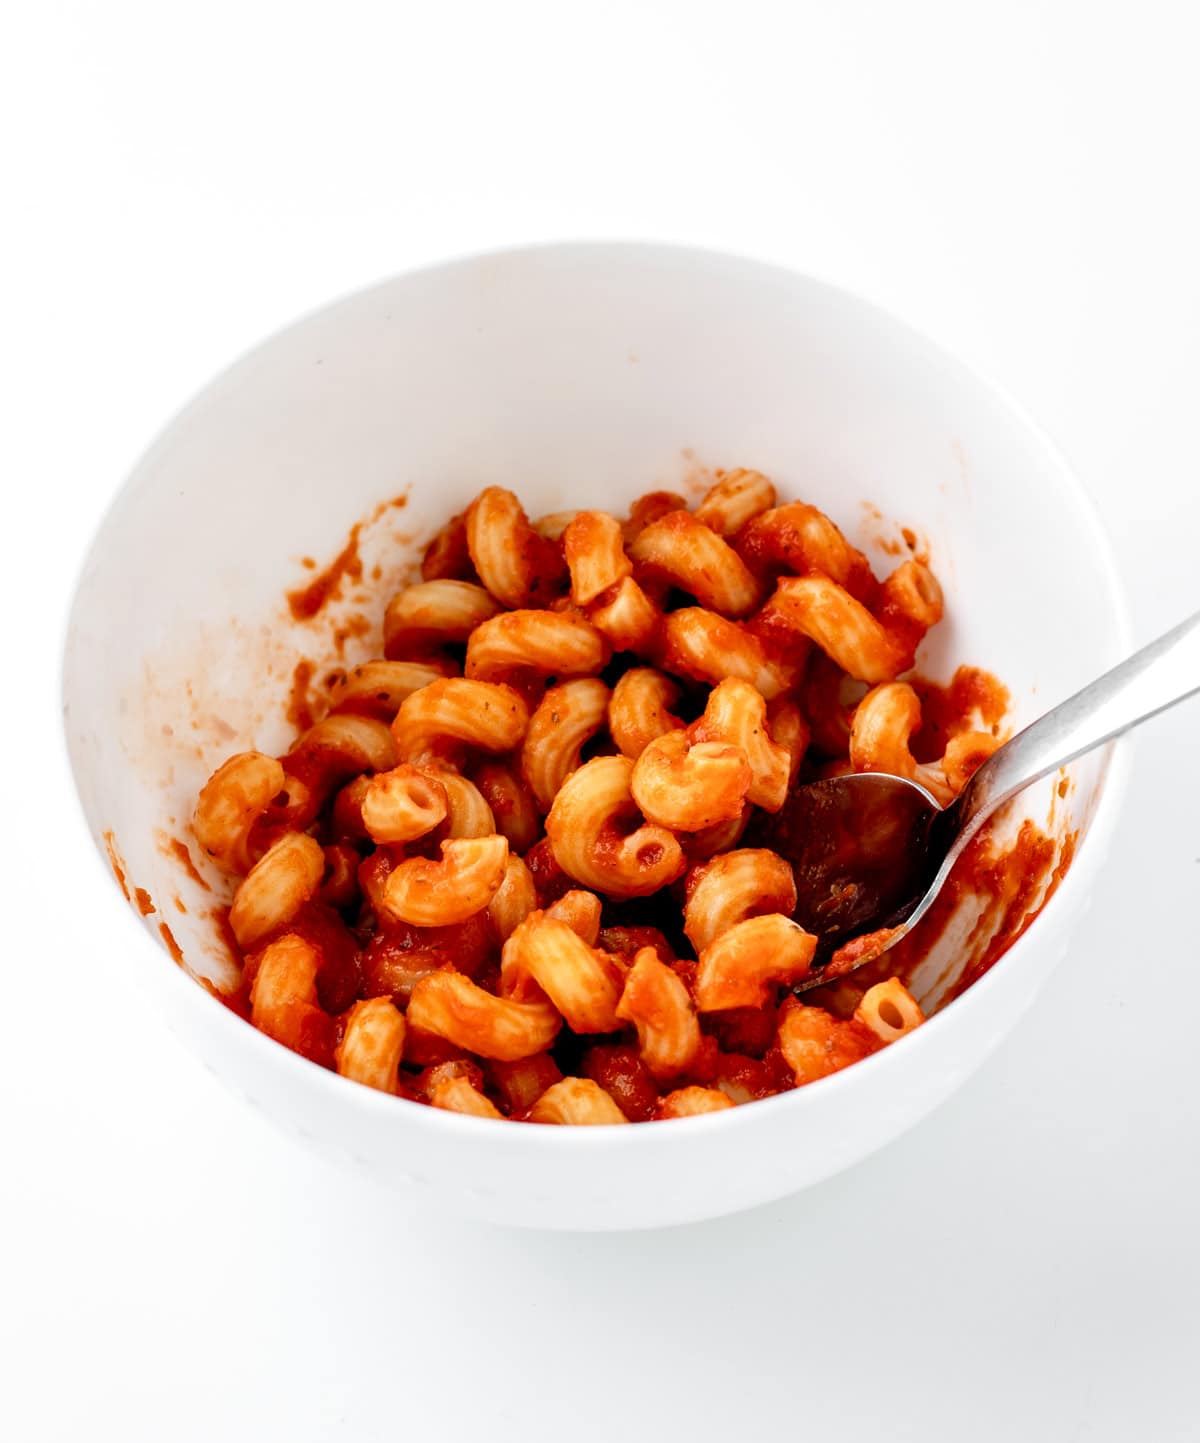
(1018, 180)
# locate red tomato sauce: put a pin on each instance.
(116, 862)
(173, 947)
(306, 601)
(973, 700)
(179, 850)
(300, 712)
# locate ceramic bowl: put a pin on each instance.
(576, 375)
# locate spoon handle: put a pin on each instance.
(1161, 674)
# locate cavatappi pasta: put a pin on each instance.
(516, 870)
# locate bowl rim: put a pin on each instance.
(1088, 858)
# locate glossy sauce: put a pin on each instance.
(300, 712)
(179, 850)
(973, 700)
(306, 601)
(116, 862)
(173, 947)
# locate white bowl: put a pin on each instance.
(575, 374)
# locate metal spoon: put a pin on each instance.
(871, 852)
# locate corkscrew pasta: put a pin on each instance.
(516, 870)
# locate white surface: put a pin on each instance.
(1024, 1263)
(534, 347)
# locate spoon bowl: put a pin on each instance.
(865, 849)
(859, 848)
(870, 852)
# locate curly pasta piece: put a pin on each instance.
(553, 524)
(842, 627)
(519, 567)
(513, 900)
(347, 743)
(372, 1045)
(706, 647)
(326, 756)
(447, 557)
(587, 831)
(283, 995)
(230, 802)
(639, 710)
(883, 725)
(889, 1010)
(521, 1083)
(692, 1101)
(451, 1006)
(739, 968)
(910, 602)
(583, 983)
(681, 549)
(478, 714)
(789, 729)
(688, 785)
(737, 497)
(576, 1101)
(736, 714)
(581, 912)
(566, 719)
(468, 814)
(799, 538)
(732, 887)
(437, 894)
(815, 1044)
(286, 876)
(595, 554)
(626, 617)
(546, 643)
(656, 1001)
(433, 614)
(720, 837)
(403, 804)
(456, 1094)
(376, 688)
(513, 807)
(649, 508)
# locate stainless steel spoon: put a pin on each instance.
(871, 852)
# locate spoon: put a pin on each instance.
(871, 852)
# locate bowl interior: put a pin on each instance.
(578, 375)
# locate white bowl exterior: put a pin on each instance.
(575, 375)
